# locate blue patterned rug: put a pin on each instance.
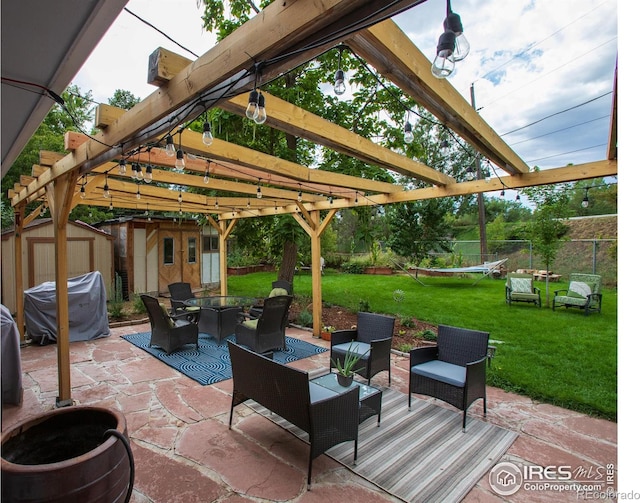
(210, 362)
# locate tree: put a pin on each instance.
(123, 99)
(547, 228)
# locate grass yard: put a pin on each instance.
(562, 357)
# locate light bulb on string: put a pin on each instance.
(206, 173)
(207, 135)
(259, 191)
(252, 108)
(340, 82)
(408, 132)
(300, 196)
(444, 64)
(138, 193)
(105, 189)
(148, 174)
(122, 167)
(169, 148)
(180, 196)
(180, 164)
(356, 201)
(83, 194)
(111, 204)
(462, 46)
(261, 112)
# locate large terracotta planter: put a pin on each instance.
(73, 454)
(378, 270)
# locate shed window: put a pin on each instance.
(210, 243)
(191, 251)
(168, 251)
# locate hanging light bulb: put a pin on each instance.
(300, 196)
(111, 204)
(248, 203)
(122, 168)
(444, 63)
(469, 174)
(206, 174)
(261, 113)
(356, 201)
(215, 205)
(259, 191)
(180, 164)
(252, 108)
(339, 86)
(408, 133)
(138, 193)
(502, 193)
(83, 194)
(518, 196)
(585, 199)
(207, 136)
(462, 47)
(180, 197)
(133, 171)
(105, 189)
(148, 174)
(169, 148)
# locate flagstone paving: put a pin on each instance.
(184, 451)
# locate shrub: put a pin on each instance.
(116, 300)
(305, 318)
(363, 306)
(427, 335)
(138, 305)
(353, 267)
(407, 321)
(405, 347)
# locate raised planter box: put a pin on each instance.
(378, 270)
(247, 269)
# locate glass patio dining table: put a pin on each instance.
(219, 314)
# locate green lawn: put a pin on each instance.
(561, 357)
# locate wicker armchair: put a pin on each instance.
(453, 371)
(583, 293)
(267, 332)
(371, 339)
(328, 417)
(519, 288)
(278, 287)
(168, 332)
(179, 293)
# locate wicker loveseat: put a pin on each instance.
(328, 417)
(583, 293)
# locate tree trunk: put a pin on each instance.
(289, 258)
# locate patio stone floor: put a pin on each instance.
(184, 451)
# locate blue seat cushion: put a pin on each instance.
(359, 348)
(442, 371)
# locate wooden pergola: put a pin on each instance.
(283, 36)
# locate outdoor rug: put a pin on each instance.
(210, 362)
(418, 455)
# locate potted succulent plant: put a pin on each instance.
(326, 332)
(346, 367)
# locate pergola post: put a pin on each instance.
(19, 289)
(59, 196)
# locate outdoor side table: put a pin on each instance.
(219, 314)
(370, 398)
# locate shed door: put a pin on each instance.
(178, 258)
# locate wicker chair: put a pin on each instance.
(583, 293)
(179, 293)
(453, 371)
(267, 332)
(519, 288)
(328, 417)
(278, 287)
(168, 332)
(371, 339)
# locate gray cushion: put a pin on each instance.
(442, 371)
(360, 348)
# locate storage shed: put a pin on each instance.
(151, 252)
(89, 249)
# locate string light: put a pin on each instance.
(148, 174)
(356, 201)
(138, 193)
(206, 173)
(339, 86)
(180, 164)
(207, 136)
(111, 204)
(261, 112)
(259, 191)
(408, 133)
(252, 106)
(300, 195)
(105, 189)
(169, 148)
(180, 196)
(83, 194)
(216, 203)
(122, 167)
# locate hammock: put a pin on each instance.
(486, 269)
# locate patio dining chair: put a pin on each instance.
(169, 332)
(180, 292)
(454, 370)
(267, 332)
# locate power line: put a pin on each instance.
(565, 153)
(560, 130)
(558, 113)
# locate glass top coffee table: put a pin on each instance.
(370, 398)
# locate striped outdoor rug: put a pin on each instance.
(421, 455)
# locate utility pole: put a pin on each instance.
(481, 214)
